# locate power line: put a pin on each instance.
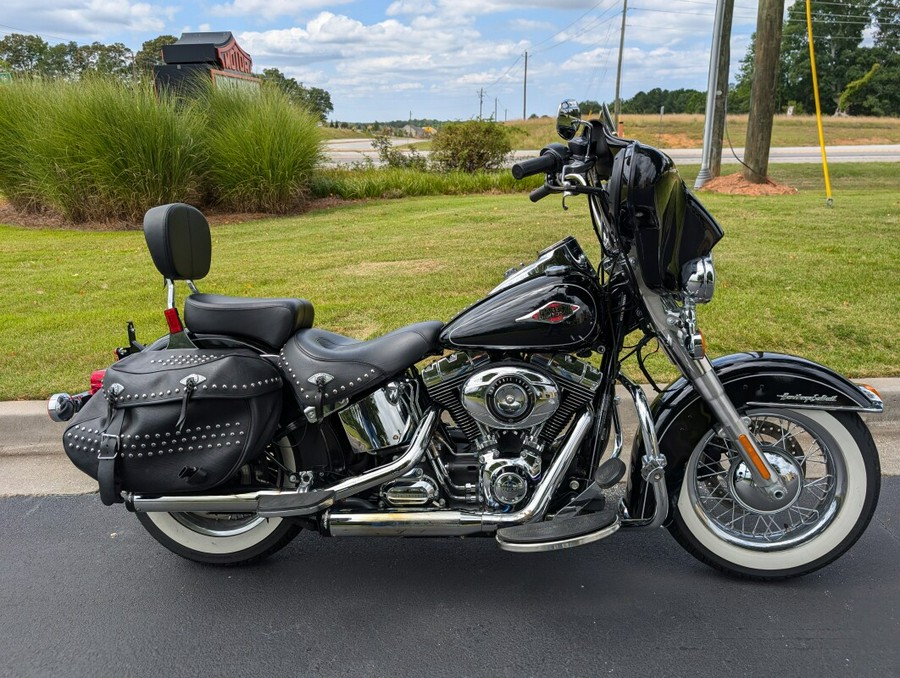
(562, 30)
(596, 23)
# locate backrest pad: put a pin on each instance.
(179, 241)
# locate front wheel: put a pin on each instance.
(829, 464)
(231, 538)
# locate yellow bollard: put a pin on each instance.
(829, 201)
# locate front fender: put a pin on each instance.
(750, 380)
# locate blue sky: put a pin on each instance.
(385, 60)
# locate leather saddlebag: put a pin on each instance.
(175, 421)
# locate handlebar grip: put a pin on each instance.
(527, 168)
(539, 193)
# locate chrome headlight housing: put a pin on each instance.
(698, 280)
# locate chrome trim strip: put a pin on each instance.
(875, 409)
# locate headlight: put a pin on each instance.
(698, 279)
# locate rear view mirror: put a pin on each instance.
(568, 118)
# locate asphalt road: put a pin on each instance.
(83, 591)
(343, 151)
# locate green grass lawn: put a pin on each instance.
(794, 276)
(686, 131)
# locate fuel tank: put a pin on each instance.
(548, 312)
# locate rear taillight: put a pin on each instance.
(97, 380)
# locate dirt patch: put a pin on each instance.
(680, 140)
(735, 184)
(47, 219)
(406, 266)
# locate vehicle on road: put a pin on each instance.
(247, 423)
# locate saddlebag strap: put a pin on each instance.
(106, 459)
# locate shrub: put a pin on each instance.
(393, 157)
(261, 149)
(470, 146)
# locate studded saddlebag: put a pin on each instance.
(175, 421)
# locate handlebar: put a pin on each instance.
(552, 158)
(539, 193)
(541, 165)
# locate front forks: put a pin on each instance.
(667, 319)
(707, 383)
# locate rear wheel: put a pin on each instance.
(829, 465)
(231, 538)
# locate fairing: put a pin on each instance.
(657, 216)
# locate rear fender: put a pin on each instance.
(751, 380)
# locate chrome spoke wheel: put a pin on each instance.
(829, 467)
(725, 497)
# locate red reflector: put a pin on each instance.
(173, 321)
(97, 380)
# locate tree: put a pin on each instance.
(100, 59)
(150, 53)
(851, 91)
(838, 33)
(590, 107)
(762, 100)
(314, 98)
(23, 53)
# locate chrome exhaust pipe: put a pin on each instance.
(424, 523)
(248, 502)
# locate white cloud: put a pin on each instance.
(93, 19)
(416, 7)
(269, 9)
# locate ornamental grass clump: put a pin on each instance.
(21, 126)
(99, 150)
(261, 150)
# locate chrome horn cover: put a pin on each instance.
(698, 279)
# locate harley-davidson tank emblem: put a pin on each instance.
(807, 398)
(551, 313)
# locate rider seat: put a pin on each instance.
(179, 241)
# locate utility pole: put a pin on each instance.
(617, 106)
(525, 90)
(495, 109)
(769, 22)
(718, 128)
(480, 101)
(712, 87)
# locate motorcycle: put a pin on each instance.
(247, 423)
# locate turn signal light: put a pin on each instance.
(872, 389)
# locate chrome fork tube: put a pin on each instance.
(701, 374)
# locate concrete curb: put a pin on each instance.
(32, 461)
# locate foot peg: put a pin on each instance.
(295, 503)
(610, 472)
(558, 534)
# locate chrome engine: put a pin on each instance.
(507, 415)
(510, 413)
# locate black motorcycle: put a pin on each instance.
(247, 423)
